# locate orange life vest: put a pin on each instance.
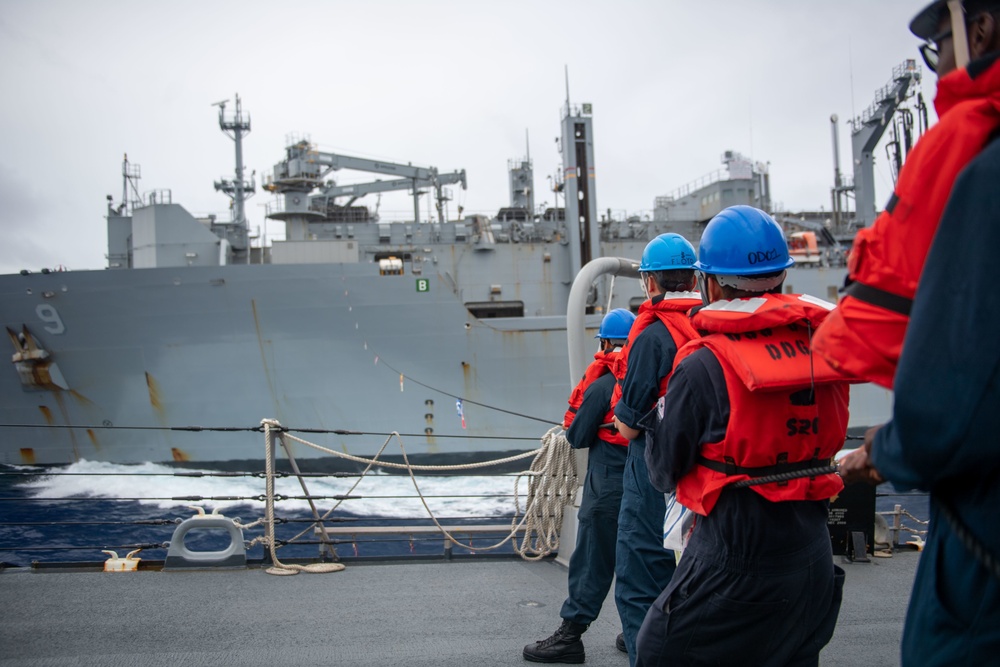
(672, 311)
(863, 338)
(775, 423)
(602, 363)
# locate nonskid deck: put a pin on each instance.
(438, 613)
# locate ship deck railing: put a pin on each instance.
(331, 530)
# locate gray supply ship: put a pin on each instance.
(451, 332)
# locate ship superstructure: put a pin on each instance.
(451, 330)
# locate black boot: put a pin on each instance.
(620, 642)
(563, 646)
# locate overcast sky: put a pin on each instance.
(453, 85)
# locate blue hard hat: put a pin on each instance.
(668, 252)
(616, 324)
(742, 241)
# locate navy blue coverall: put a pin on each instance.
(592, 565)
(754, 586)
(946, 417)
(643, 567)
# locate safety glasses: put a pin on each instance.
(930, 50)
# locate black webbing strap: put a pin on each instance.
(880, 298)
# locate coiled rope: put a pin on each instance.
(552, 481)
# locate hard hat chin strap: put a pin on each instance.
(703, 287)
(959, 37)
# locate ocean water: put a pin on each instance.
(72, 513)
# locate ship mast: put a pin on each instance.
(577, 146)
(238, 189)
(130, 177)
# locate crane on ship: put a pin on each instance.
(304, 168)
(866, 131)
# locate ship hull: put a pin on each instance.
(141, 355)
(328, 347)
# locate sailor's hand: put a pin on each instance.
(857, 466)
(627, 431)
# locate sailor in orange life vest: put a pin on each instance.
(864, 336)
(642, 566)
(943, 434)
(756, 584)
(592, 565)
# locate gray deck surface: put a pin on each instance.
(423, 613)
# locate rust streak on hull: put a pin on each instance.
(46, 414)
(93, 439)
(155, 398)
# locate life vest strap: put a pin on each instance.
(730, 469)
(881, 298)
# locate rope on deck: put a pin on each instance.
(552, 482)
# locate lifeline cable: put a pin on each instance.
(257, 429)
(120, 547)
(179, 473)
(112, 427)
